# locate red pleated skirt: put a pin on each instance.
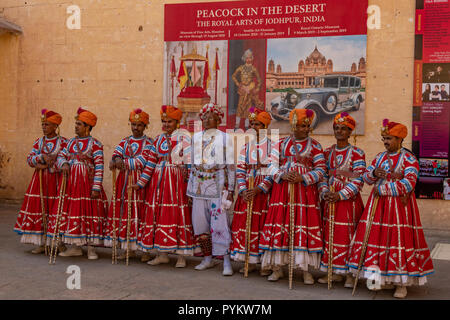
(238, 226)
(167, 222)
(346, 218)
(29, 223)
(396, 251)
(275, 236)
(81, 218)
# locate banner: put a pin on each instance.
(431, 101)
(275, 56)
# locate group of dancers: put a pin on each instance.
(296, 205)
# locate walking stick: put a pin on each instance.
(136, 226)
(248, 225)
(331, 212)
(62, 194)
(114, 248)
(44, 215)
(291, 233)
(130, 182)
(366, 239)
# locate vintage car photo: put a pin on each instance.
(330, 95)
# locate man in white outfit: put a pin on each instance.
(211, 187)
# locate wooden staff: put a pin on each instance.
(114, 248)
(291, 232)
(366, 239)
(331, 212)
(248, 225)
(130, 183)
(62, 194)
(44, 215)
(136, 226)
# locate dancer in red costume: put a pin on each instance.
(345, 167)
(302, 163)
(167, 224)
(85, 203)
(396, 248)
(129, 157)
(252, 162)
(30, 222)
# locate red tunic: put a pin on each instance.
(133, 152)
(167, 223)
(274, 240)
(29, 220)
(82, 218)
(345, 168)
(396, 245)
(247, 166)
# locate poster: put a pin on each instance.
(275, 56)
(431, 105)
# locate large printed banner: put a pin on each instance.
(431, 115)
(272, 55)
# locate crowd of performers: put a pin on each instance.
(296, 205)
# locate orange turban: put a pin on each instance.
(260, 115)
(394, 129)
(303, 115)
(345, 119)
(171, 112)
(87, 117)
(137, 115)
(51, 116)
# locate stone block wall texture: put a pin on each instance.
(114, 63)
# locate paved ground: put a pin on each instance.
(28, 276)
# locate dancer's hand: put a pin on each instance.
(134, 187)
(230, 196)
(49, 160)
(65, 169)
(292, 177)
(112, 165)
(250, 194)
(296, 177)
(332, 197)
(41, 166)
(119, 163)
(95, 194)
(380, 173)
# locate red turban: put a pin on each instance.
(51, 116)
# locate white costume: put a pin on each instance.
(211, 175)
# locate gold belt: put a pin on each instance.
(207, 170)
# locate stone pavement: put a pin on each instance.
(28, 276)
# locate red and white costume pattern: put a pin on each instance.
(396, 244)
(249, 164)
(305, 157)
(82, 218)
(345, 168)
(134, 153)
(167, 223)
(29, 222)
